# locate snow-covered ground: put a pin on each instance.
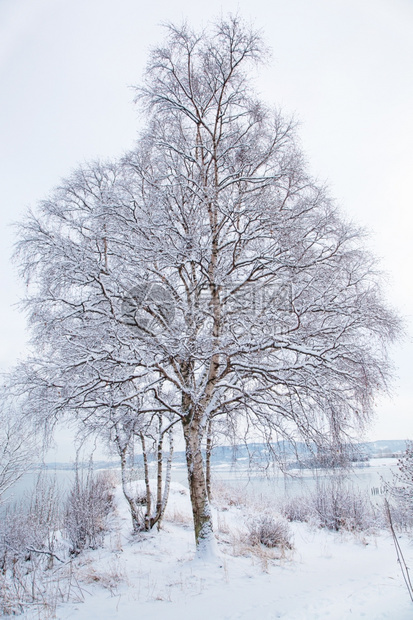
(154, 576)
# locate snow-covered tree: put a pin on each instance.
(128, 429)
(84, 364)
(208, 269)
(18, 447)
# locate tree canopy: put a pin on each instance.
(204, 276)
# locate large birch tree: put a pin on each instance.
(250, 299)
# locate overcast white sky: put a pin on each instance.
(343, 67)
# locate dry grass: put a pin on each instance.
(222, 526)
(269, 531)
(226, 495)
(241, 546)
(178, 516)
(109, 578)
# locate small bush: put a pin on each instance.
(296, 509)
(270, 532)
(400, 492)
(334, 505)
(401, 511)
(33, 572)
(88, 507)
(29, 527)
(338, 505)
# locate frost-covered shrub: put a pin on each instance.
(30, 526)
(88, 506)
(31, 550)
(269, 531)
(400, 491)
(296, 509)
(401, 513)
(337, 505)
(35, 567)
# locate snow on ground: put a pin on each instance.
(154, 576)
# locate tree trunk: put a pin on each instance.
(167, 477)
(204, 536)
(159, 472)
(161, 504)
(147, 484)
(208, 453)
(135, 512)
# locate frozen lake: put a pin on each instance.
(273, 483)
(369, 477)
(298, 482)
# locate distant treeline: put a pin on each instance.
(292, 455)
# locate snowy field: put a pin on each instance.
(155, 576)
